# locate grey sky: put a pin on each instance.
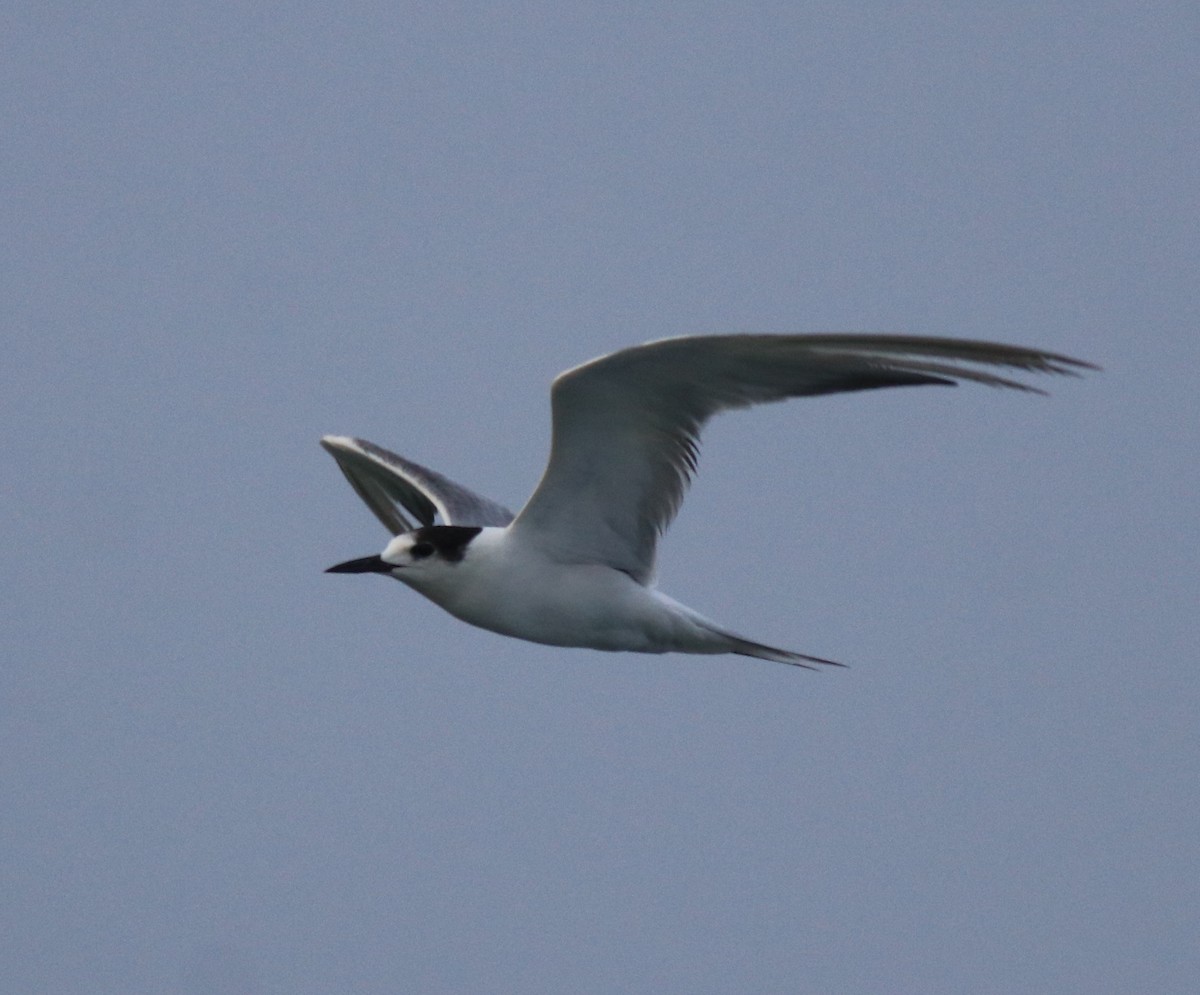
(232, 228)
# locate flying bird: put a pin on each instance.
(576, 565)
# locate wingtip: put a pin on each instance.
(331, 442)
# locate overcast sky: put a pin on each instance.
(230, 228)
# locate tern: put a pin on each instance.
(576, 566)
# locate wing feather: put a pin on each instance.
(626, 426)
(399, 491)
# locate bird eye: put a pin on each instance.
(421, 550)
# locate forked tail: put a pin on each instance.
(746, 647)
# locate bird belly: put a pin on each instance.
(586, 605)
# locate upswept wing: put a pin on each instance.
(626, 426)
(398, 490)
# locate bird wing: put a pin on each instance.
(395, 489)
(626, 426)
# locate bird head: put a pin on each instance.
(419, 558)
